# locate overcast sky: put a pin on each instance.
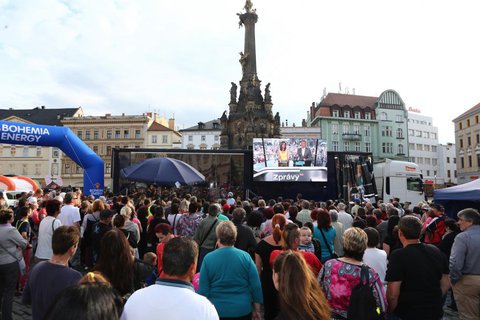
(179, 57)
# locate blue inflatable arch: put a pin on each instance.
(64, 139)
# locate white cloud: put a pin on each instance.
(180, 56)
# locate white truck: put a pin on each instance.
(400, 179)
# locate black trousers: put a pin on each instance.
(8, 282)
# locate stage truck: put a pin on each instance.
(277, 167)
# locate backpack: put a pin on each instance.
(87, 234)
(363, 305)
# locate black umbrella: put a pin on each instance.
(163, 171)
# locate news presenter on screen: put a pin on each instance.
(304, 153)
(283, 155)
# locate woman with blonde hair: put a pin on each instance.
(304, 300)
(262, 260)
(339, 276)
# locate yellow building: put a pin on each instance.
(467, 141)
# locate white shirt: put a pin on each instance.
(170, 301)
(377, 260)
(69, 214)
(345, 219)
(45, 233)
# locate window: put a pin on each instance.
(411, 132)
(95, 135)
(356, 115)
(55, 153)
(335, 113)
(399, 133)
(460, 126)
(412, 159)
(469, 141)
(428, 173)
(427, 161)
(386, 131)
(138, 134)
(478, 138)
(400, 149)
(346, 114)
(117, 134)
(398, 118)
(334, 145)
(434, 136)
(367, 130)
(203, 138)
(216, 138)
(455, 160)
(419, 146)
(126, 134)
(358, 147)
(434, 148)
(95, 149)
(346, 146)
(418, 133)
(87, 135)
(108, 168)
(411, 146)
(39, 151)
(449, 174)
(461, 143)
(478, 159)
(470, 161)
(109, 150)
(80, 135)
(462, 163)
(419, 160)
(334, 129)
(448, 159)
(426, 147)
(368, 147)
(54, 169)
(164, 139)
(368, 115)
(78, 169)
(154, 139)
(476, 119)
(345, 128)
(455, 173)
(468, 122)
(387, 147)
(25, 152)
(434, 161)
(190, 138)
(109, 134)
(67, 168)
(383, 116)
(356, 129)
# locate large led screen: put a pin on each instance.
(289, 160)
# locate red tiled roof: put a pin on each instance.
(155, 126)
(468, 112)
(348, 100)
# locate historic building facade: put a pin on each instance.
(203, 136)
(250, 115)
(353, 123)
(467, 142)
(102, 134)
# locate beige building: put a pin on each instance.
(42, 164)
(162, 134)
(102, 134)
(467, 142)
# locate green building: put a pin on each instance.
(353, 123)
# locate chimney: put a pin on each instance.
(149, 114)
(171, 123)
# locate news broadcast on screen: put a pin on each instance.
(289, 160)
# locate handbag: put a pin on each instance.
(21, 262)
(333, 255)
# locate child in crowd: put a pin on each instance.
(150, 258)
(308, 244)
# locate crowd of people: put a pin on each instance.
(181, 257)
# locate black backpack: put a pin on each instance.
(363, 305)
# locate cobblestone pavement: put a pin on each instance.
(22, 312)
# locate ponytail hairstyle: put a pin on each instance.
(278, 223)
(289, 235)
(300, 294)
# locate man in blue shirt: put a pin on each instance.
(465, 265)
